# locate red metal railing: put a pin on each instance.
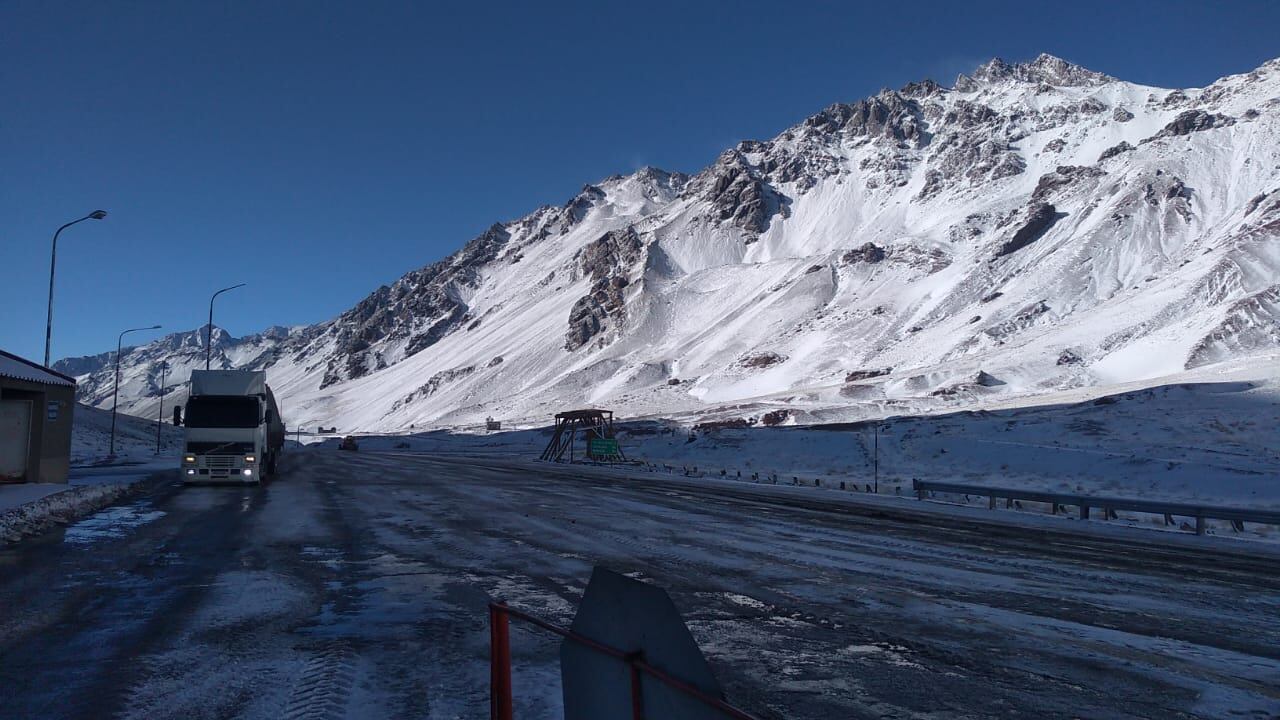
(500, 667)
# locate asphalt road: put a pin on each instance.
(356, 585)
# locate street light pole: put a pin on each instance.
(208, 333)
(53, 261)
(164, 365)
(115, 393)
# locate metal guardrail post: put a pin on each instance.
(500, 664)
(637, 697)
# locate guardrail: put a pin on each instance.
(1108, 505)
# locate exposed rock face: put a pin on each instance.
(1114, 150)
(578, 207)
(1193, 121)
(970, 147)
(1121, 115)
(889, 115)
(740, 196)
(1039, 217)
(1064, 175)
(433, 384)
(762, 360)
(1020, 320)
(1253, 204)
(986, 379)
(608, 262)
(774, 418)
(1044, 69)
(422, 306)
(856, 375)
(869, 253)
(1249, 326)
(1069, 357)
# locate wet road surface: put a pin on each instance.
(355, 585)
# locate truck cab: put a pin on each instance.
(233, 428)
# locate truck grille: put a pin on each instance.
(221, 461)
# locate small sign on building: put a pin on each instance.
(52, 406)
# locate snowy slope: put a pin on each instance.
(135, 438)
(1035, 227)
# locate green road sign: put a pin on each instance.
(602, 447)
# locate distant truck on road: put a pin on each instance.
(233, 428)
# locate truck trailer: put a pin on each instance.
(233, 428)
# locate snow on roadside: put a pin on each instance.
(60, 508)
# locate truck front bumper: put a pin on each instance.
(222, 470)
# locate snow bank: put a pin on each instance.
(60, 508)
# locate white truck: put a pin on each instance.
(233, 429)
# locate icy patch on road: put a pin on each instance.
(243, 595)
(56, 509)
(745, 601)
(891, 654)
(111, 523)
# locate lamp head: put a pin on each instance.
(98, 214)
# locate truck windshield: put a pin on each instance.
(222, 411)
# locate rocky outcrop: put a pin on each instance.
(1038, 218)
(1191, 121)
(580, 205)
(608, 261)
(1021, 320)
(856, 375)
(1114, 150)
(1250, 325)
(1047, 69)
(868, 253)
(422, 306)
(1063, 176)
(969, 147)
(889, 115)
(1069, 357)
(1253, 204)
(433, 384)
(762, 360)
(738, 195)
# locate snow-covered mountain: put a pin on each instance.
(1034, 227)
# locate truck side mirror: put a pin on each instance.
(271, 416)
(177, 414)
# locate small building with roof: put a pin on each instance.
(36, 409)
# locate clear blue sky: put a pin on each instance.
(317, 150)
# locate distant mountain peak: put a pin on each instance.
(1046, 68)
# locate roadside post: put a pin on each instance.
(628, 654)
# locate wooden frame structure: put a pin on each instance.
(593, 425)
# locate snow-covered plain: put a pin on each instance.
(1033, 229)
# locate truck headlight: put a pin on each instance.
(247, 471)
(249, 458)
(189, 459)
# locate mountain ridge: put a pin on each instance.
(928, 229)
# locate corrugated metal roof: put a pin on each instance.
(12, 366)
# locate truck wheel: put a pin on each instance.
(271, 465)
